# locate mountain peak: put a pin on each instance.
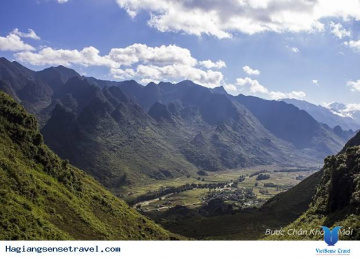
(4, 60)
(187, 83)
(219, 90)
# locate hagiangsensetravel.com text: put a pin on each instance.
(61, 249)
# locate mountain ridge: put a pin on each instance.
(122, 138)
(324, 115)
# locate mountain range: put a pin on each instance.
(331, 116)
(124, 133)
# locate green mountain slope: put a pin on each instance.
(43, 197)
(337, 200)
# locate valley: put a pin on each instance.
(222, 193)
(179, 121)
(214, 182)
(200, 163)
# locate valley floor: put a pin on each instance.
(187, 205)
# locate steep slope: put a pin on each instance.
(43, 197)
(293, 125)
(324, 115)
(55, 77)
(214, 132)
(124, 133)
(337, 199)
(20, 83)
(281, 119)
(121, 143)
(34, 90)
(187, 127)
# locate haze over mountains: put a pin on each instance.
(332, 116)
(123, 132)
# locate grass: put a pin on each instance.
(44, 197)
(278, 211)
(244, 225)
(190, 199)
(279, 178)
(336, 202)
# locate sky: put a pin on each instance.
(274, 49)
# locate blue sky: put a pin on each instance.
(308, 49)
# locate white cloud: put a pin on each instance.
(338, 30)
(62, 1)
(119, 73)
(250, 71)
(88, 56)
(297, 95)
(147, 81)
(13, 42)
(352, 107)
(30, 34)
(355, 85)
(256, 88)
(223, 18)
(316, 82)
(167, 63)
(295, 49)
(211, 65)
(172, 72)
(162, 55)
(231, 88)
(343, 110)
(354, 45)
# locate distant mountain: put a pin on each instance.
(336, 106)
(20, 83)
(327, 115)
(109, 136)
(283, 120)
(293, 125)
(45, 198)
(125, 133)
(343, 110)
(123, 144)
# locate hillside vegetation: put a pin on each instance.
(337, 199)
(44, 197)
